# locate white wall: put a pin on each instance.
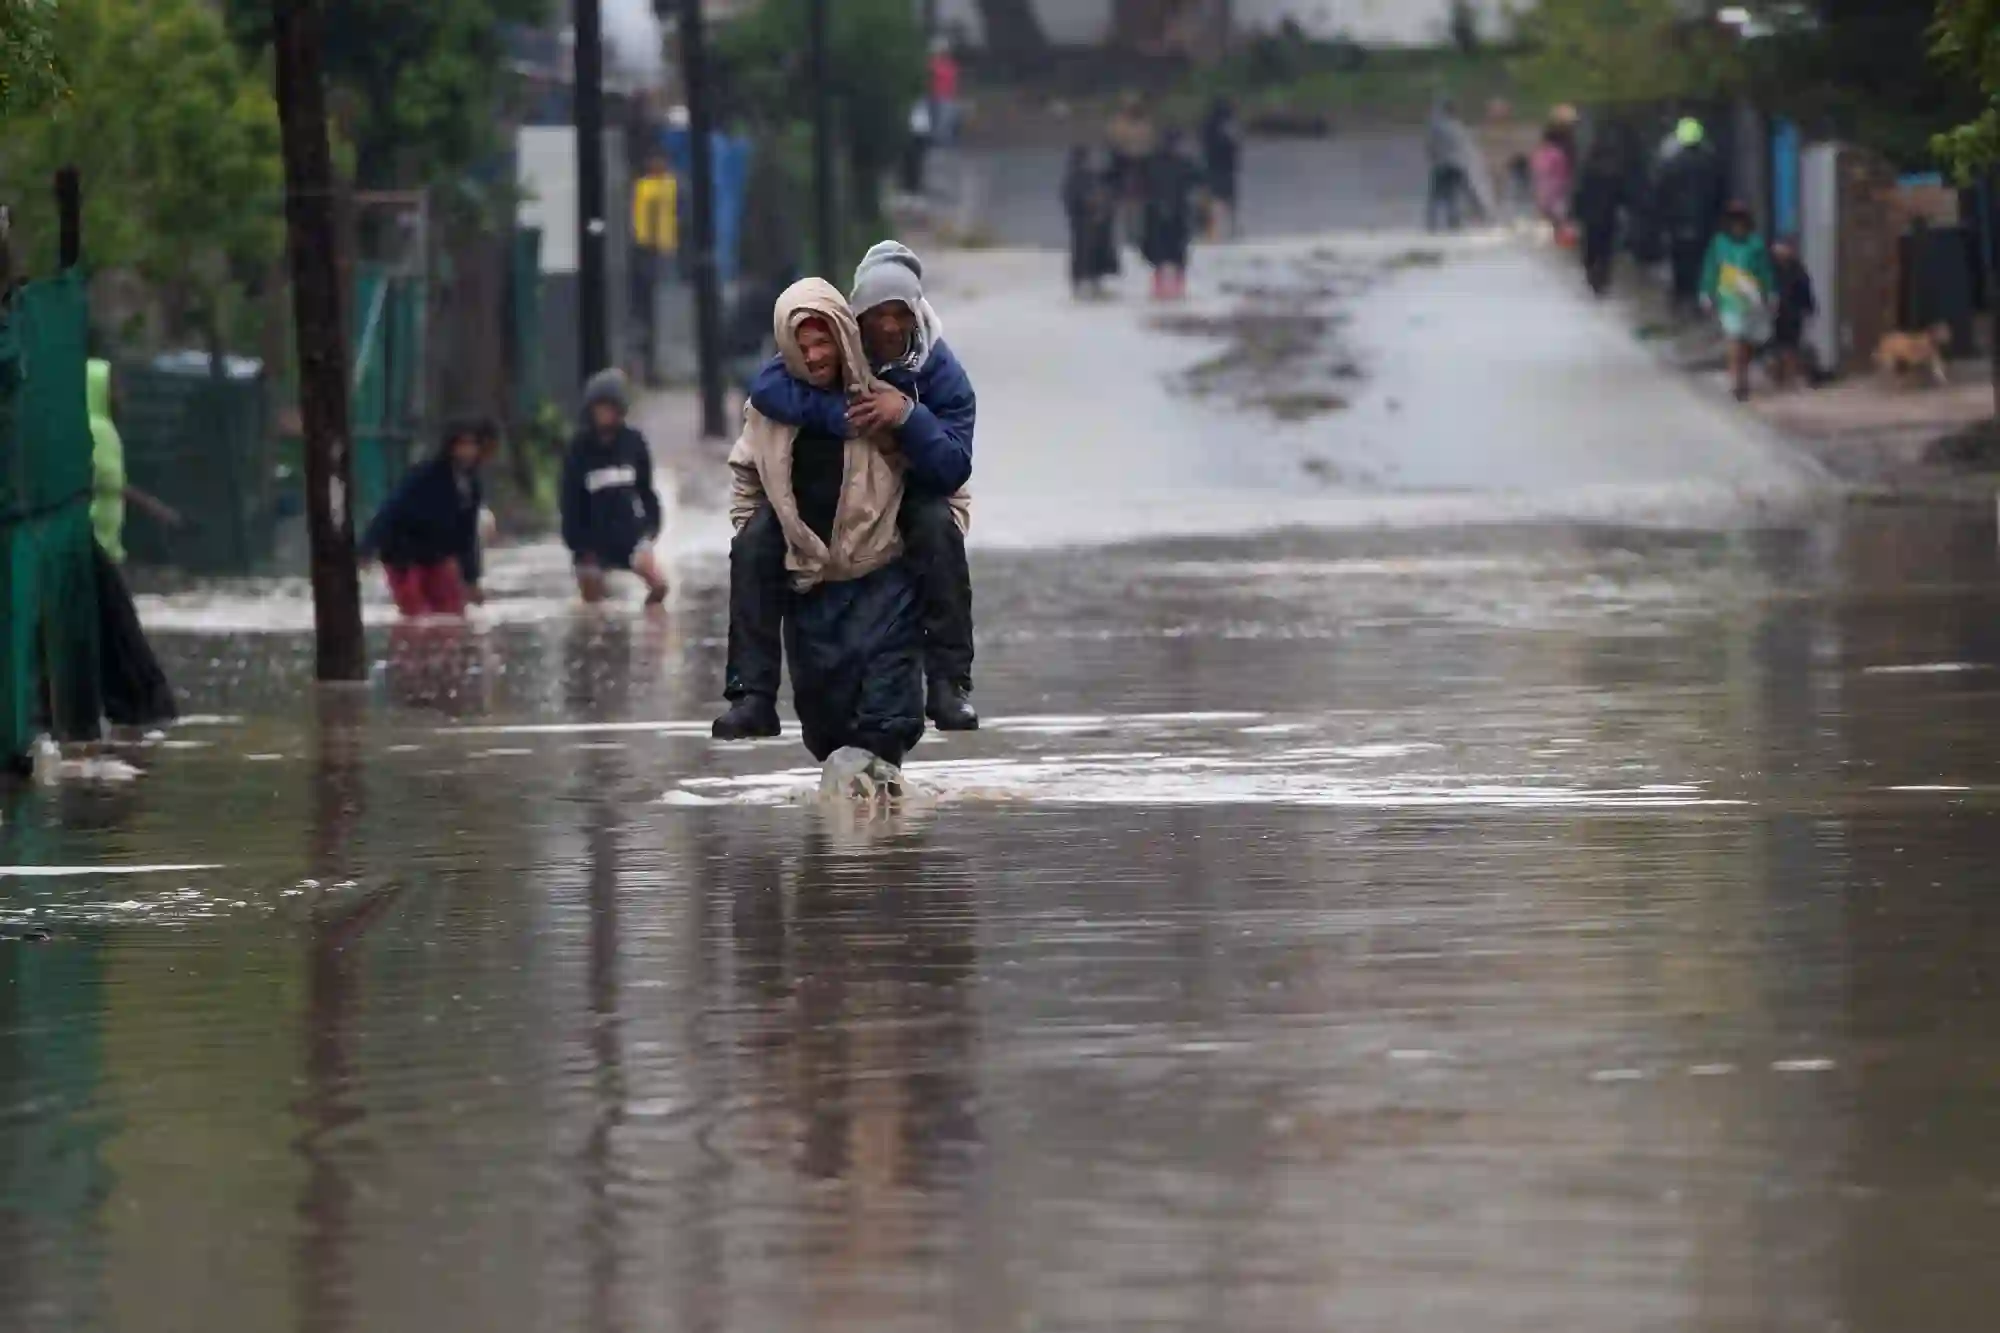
(1374, 22)
(1370, 22)
(1067, 22)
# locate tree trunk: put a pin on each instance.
(1014, 35)
(298, 28)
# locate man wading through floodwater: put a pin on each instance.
(850, 601)
(920, 400)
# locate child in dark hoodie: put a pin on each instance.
(427, 535)
(610, 511)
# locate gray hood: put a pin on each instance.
(891, 271)
(608, 386)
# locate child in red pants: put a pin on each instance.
(427, 535)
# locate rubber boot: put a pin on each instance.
(950, 707)
(753, 717)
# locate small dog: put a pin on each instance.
(1902, 355)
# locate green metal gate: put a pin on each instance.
(48, 589)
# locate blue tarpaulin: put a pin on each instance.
(731, 156)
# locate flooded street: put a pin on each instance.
(1528, 870)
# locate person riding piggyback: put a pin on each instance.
(853, 628)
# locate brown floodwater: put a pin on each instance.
(1558, 928)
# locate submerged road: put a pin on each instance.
(1508, 851)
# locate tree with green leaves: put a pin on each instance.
(877, 72)
(418, 84)
(31, 69)
(1968, 39)
(1622, 52)
(176, 137)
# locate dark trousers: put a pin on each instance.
(1600, 249)
(935, 549)
(1449, 192)
(1689, 255)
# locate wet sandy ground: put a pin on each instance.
(1553, 927)
(1553, 924)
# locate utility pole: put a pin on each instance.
(826, 230)
(1989, 199)
(298, 32)
(701, 203)
(593, 233)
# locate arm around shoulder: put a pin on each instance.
(793, 402)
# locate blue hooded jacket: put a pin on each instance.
(936, 438)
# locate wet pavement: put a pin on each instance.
(1537, 922)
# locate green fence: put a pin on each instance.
(201, 443)
(205, 443)
(387, 348)
(48, 592)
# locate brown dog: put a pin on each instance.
(1902, 355)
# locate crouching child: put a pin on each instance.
(427, 534)
(610, 511)
(853, 614)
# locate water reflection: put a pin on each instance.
(535, 1051)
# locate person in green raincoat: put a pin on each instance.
(1738, 283)
(109, 490)
(134, 688)
(107, 463)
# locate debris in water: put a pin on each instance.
(1303, 406)
(856, 777)
(1280, 351)
(52, 770)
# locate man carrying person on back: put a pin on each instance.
(930, 411)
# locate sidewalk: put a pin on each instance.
(1871, 431)
(1864, 429)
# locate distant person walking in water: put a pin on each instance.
(1455, 163)
(1553, 174)
(1737, 283)
(1133, 139)
(1796, 303)
(1167, 220)
(1222, 153)
(1093, 224)
(1600, 198)
(1689, 195)
(945, 93)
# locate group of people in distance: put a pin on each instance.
(848, 501)
(1145, 186)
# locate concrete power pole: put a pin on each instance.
(826, 215)
(593, 231)
(701, 205)
(297, 39)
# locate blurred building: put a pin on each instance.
(1185, 26)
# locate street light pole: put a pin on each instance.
(826, 217)
(593, 234)
(701, 203)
